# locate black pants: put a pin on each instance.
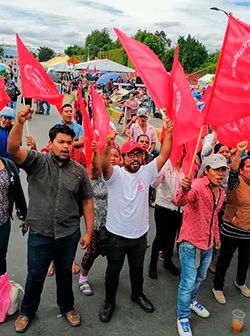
(228, 247)
(118, 248)
(168, 223)
(4, 240)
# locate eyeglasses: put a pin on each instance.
(132, 155)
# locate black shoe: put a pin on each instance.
(143, 302)
(152, 272)
(106, 311)
(171, 268)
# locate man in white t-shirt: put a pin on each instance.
(128, 217)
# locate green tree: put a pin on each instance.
(153, 41)
(168, 58)
(96, 41)
(192, 53)
(210, 64)
(44, 54)
(1, 52)
(141, 35)
(75, 50)
(162, 35)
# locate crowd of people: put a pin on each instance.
(202, 215)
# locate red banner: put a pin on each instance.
(4, 98)
(149, 68)
(88, 128)
(35, 81)
(101, 118)
(230, 94)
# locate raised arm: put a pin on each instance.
(95, 168)
(166, 145)
(19, 153)
(107, 168)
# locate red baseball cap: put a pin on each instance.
(129, 146)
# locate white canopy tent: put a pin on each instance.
(103, 65)
(206, 80)
(62, 67)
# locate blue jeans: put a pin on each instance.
(4, 240)
(191, 276)
(41, 250)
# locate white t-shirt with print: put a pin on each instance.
(128, 212)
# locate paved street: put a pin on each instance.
(128, 318)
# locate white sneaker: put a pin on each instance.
(183, 327)
(199, 309)
(243, 289)
(219, 296)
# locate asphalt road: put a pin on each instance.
(128, 318)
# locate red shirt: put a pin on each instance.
(200, 214)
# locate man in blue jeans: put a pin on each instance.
(59, 193)
(202, 201)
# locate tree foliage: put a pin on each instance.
(192, 53)
(168, 58)
(162, 35)
(75, 50)
(96, 41)
(153, 41)
(44, 54)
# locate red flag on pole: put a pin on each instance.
(149, 68)
(95, 71)
(4, 98)
(230, 94)
(88, 128)
(185, 113)
(35, 81)
(101, 118)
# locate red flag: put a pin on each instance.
(101, 118)
(206, 94)
(185, 113)
(234, 132)
(35, 81)
(4, 98)
(230, 96)
(95, 71)
(88, 128)
(149, 68)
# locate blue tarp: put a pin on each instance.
(106, 77)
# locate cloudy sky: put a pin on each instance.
(60, 23)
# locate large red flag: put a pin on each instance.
(149, 68)
(35, 81)
(88, 128)
(230, 96)
(4, 98)
(101, 118)
(232, 133)
(185, 114)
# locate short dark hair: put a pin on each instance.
(60, 129)
(242, 162)
(66, 105)
(142, 135)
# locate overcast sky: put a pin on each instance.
(60, 23)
